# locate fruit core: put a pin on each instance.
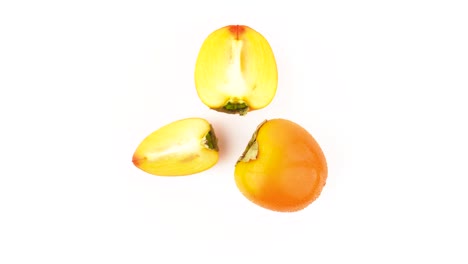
(236, 85)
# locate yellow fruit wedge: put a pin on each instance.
(236, 70)
(180, 148)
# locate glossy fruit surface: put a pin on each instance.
(183, 147)
(283, 168)
(236, 70)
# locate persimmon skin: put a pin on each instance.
(289, 171)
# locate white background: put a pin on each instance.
(381, 85)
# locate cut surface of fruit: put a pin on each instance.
(282, 168)
(183, 147)
(236, 70)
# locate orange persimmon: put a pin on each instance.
(283, 168)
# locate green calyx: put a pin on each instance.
(240, 108)
(210, 141)
(251, 151)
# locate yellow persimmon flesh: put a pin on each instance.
(283, 168)
(183, 147)
(236, 70)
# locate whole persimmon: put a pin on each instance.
(283, 168)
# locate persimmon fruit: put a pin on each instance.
(183, 147)
(236, 71)
(283, 167)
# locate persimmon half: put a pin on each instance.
(283, 167)
(235, 71)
